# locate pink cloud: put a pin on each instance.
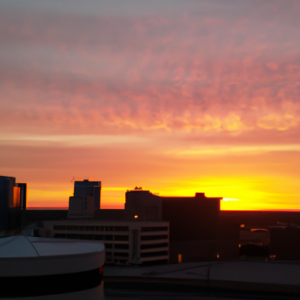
(180, 72)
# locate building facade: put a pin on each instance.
(85, 200)
(126, 242)
(12, 203)
(195, 230)
(284, 242)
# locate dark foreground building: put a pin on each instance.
(266, 234)
(259, 219)
(285, 242)
(33, 267)
(12, 203)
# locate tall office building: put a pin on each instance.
(86, 198)
(12, 202)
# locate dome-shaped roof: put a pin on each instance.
(32, 256)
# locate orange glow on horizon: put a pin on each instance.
(240, 197)
(218, 114)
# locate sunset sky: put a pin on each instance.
(175, 96)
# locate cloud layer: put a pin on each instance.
(185, 71)
(194, 77)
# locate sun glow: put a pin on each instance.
(230, 199)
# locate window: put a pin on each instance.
(154, 229)
(60, 235)
(121, 254)
(73, 236)
(120, 261)
(153, 254)
(153, 237)
(121, 246)
(121, 238)
(121, 228)
(152, 246)
(59, 227)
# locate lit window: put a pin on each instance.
(240, 245)
(242, 225)
(179, 258)
(218, 255)
(136, 216)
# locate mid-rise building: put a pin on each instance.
(12, 202)
(195, 230)
(86, 199)
(126, 242)
(284, 242)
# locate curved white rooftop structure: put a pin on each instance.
(34, 256)
(34, 266)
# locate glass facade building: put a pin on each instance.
(12, 202)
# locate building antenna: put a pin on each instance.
(73, 179)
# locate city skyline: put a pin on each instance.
(176, 97)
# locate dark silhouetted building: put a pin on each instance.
(195, 231)
(38, 216)
(12, 202)
(255, 238)
(192, 218)
(285, 242)
(86, 199)
(259, 219)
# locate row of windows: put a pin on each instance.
(121, 254)
(154, 229)
(153, 237)
(150, 254)
(117, 261)
(152, 246)
(99, 237)
(153, 254)
(117, 246)
(109, 237)
(91, 228)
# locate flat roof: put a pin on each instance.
(108, 222)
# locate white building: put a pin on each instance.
(36, 268)
(126, 242)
